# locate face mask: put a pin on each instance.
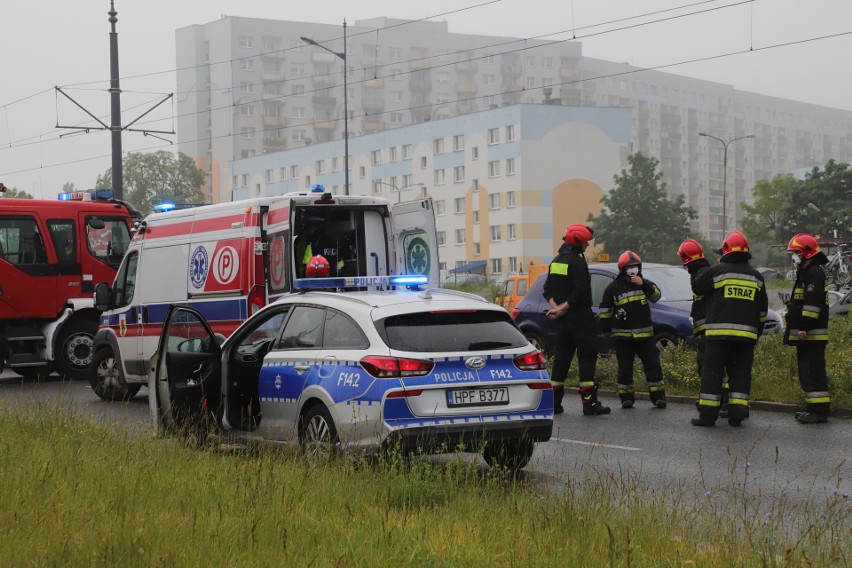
(796, 259)
(632, 270)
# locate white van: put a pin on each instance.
(228, 260)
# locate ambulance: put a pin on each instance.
(228, 260)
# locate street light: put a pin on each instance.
(398, 190)
(725, 145)
(342, 56)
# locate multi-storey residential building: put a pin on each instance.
(504, 182)
(251, 87)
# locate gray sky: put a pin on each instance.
(66, 43)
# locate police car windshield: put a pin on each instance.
(484, 330)
(673, 282)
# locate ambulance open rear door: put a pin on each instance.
(416, 239)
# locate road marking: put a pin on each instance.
(564, 441)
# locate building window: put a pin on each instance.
(474, 153)
(440, 208)
(423, 163)
(396, 96)
(407, 180)
(246, 41)
(458, 174)
(376, 157)
(247, 132)
(513, 264)
(438, 146)
(320, 166)
(459, 205)
(511, 234)
(494, 201)
(458, 142)
(510, 132)
(510, 166)
(392, 153)
(247, 154)
(283, 173)
(299, 135)
(476, 217)
(257, 189)
(406, 151)
(297, 68)
(530, 61)
(442, 77)
(294, 172)
(246, 64)
(547, 62)
(362, 172)
(477, 249)
(297, 90)
(377, 186)
(270, 176)
(496, 232)
(396, 118)
(489, 60)
(493, 135)
(299, 112)
(530, 82)
(335, 164)
(488, 79)
(245, 180)
(235, 181)
(394, 53)
(460, 236)
(496, 266)
(476, 185)
(308, 182)
(442, 238)
(494, 168)
(439, 177)
(510, 199)
(247, 110)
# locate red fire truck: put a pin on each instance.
(52, 253)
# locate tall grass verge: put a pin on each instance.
(75, 494)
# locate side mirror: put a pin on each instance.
(102, 297)
(96, 223)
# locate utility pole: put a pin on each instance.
(115, 105)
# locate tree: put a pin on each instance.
(14, 193)
(68, 187)
(768, 220)
(823, 204)
(639, 216)
(156, 177)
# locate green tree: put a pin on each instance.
(824, 203)
(639, 216)
(151, 178)
(14, 193)
(768, 219)
(68, 187)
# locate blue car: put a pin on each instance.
(670, 314)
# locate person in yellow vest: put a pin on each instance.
(313, 241)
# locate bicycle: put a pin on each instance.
(839, 268)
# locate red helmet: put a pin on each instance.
(734, 242)
(577, 235)
(628, 258)
(690, 250)
(317, 267)
(804, 244)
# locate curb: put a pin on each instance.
(755, 404)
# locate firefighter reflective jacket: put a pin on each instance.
(736, 299)
(568, 279)
(625, 311)
(698, 313)
(808, 309)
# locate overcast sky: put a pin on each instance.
(775, 47)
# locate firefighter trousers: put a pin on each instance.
(576, 333)
(626, 351)
(813, 378)
(737, 358)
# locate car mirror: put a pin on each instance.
(103, 297)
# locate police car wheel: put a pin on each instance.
(106, 378)
(509, 454)
(75, 348)
(317, 433)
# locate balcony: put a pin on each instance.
(419, 64)
(465, 88)
(378, 83)
(323, 56)
(466, 67)
(274, 145)
(321, 101)
(325, 125)
(373, 105)
(420, 85)
(273, 77)
(323, 81)
(569, 73)
(272, 121)
(464, 107)
(372, 125)
(512, 69)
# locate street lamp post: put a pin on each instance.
(725, 145)
(398, 190)
(342, 56)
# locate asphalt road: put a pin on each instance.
(771, 456)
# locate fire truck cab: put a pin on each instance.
(230, 259)
(51, 255)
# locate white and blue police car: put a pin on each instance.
(382, 367)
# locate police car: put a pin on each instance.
(384, 366)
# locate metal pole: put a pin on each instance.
(115, 99)
(725, 190)
(345, 116)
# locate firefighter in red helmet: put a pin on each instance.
(626, 317)
(736, 313)
(317, 267)
(807, 326)
(568, 289)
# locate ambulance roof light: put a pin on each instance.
(164, 206)
(317, 188)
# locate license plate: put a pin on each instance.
(478, 397)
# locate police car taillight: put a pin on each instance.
(534, 361)
(396, 367)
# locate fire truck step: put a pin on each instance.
(24, 360)
(23, 334)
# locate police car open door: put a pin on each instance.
(416, 239)
(185, 389)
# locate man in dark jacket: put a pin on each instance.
(807, 326)
(568, 289)
(626, 317)
(736, 313)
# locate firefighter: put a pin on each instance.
(692, 256)
(314, 240)
(626, 317)
(568, 289)
(736, 313)
(807, 326)
(317, 267)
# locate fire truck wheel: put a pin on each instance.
(75, 347)
(106, 378)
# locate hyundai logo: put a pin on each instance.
(475, 363)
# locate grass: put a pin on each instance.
(76, 494)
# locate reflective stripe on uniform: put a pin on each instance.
(655, 295)
(587, 383)
(699, 325)
(625, 389)
(813, 335)
(655, 387)
(635, 295)
(740, 398)
(605, 313)
(559, 268)
(737, 279)
(817, 397)
(811, 311)
(731, 329)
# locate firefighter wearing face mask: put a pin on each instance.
(807, 326)
(626, 317)
(736, 313)
(568, 290)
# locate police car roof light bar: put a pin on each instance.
(359, 282)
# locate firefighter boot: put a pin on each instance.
(736, 414)
(591, 404)
(706, 416)
(558, 393)
(658, 397)
(627, 399)
(725, 410)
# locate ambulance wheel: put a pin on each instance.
(75, 348)
(513, 455)
(106, 378)
(317, 433)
